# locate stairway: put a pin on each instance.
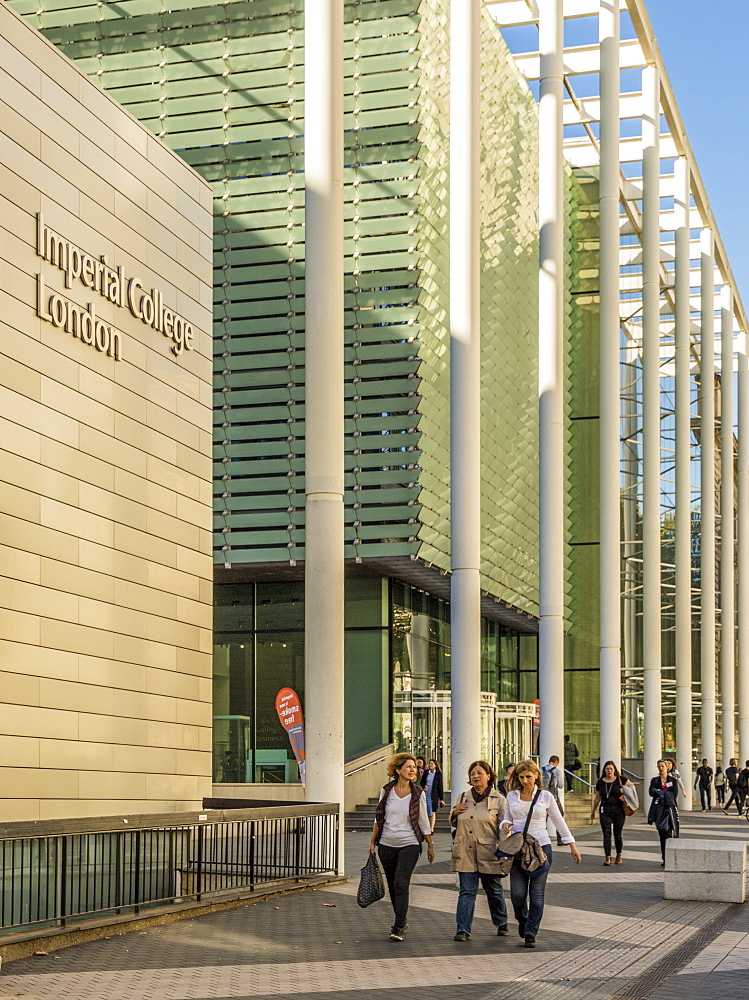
(576, 810)
(362, 818)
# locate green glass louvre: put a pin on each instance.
(223, 84)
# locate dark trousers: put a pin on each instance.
(720, 794)
(664, 835)
(398, 863)
(735, 796)
(706, 796)
(527, 895)
(612, 819)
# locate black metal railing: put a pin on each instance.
(53, 874)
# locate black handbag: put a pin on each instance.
(371, 884)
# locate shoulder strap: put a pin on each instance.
(530, 812)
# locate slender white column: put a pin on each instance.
(707, 489)
(630, 470)
(683, 542)
(651, 526)
(550, 332)
(323, 178)
(465, 387)
(610, 447)
(727, 566)
(743, 555)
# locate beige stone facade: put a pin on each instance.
(105, 451)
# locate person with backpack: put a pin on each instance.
(732, 777)
(742, 787)
(609, 802)
(552, 780)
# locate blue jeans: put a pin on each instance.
(469, 886)
(527, 896)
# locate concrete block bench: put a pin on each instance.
(706, 870)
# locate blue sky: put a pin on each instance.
(705, 48)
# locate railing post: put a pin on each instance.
(136, 900)
(252, 854)
(199, 865)
(63, 877)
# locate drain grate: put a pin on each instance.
(644, 985)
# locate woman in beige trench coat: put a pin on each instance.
(476, 816)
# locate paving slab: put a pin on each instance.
(320, 944)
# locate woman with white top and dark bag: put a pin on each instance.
(526, 796)
(401, 826)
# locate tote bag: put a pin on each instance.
(371, 884)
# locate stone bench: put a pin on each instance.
(706, 870)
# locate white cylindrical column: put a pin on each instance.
(550, 399)
(727, 566)
(743, 555)
(651, 432)
(610, 447)
(465, 387)
(707, 489)
(630, 478)
(683, 541)
(323, 178)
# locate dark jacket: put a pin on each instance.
(664, 813)
(438, 788)
(571, 753)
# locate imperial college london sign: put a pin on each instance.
(96, 275)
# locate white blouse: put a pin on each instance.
(397, 831)
(545, 808)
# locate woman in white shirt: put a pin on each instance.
(527, 890)
(401, 826)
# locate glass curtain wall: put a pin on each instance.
(259, 649)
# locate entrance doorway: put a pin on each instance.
(421, 726)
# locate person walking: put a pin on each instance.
(552, 780)
(571, 761)
(401, 826)
(704, 777)
(732, 777)
(609, 802)
(742, 787)
(527, 890)
(720, 786)
(664, 812)
(432, 783)
(672, 769)
(476, 816)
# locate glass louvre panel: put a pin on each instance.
(227, 92)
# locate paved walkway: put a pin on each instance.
(607, 933)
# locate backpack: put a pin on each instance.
(743, 782)
(549, 779)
